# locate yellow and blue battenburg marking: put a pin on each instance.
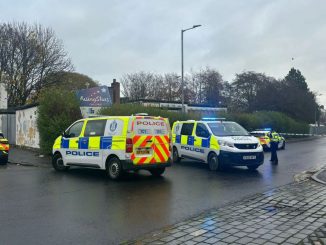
(104, 142)
(191, 141)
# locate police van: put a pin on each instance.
(4, 149)
(115, 144)
(263, 135)
(217, 142)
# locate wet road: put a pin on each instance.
(39, 205)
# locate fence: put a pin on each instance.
(8, 125)
(318, 130)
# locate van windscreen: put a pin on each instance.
(227, 129)
(146, 126)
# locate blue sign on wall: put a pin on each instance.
(95, 97)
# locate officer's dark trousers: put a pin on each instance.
(274, 152)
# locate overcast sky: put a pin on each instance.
(108, 38)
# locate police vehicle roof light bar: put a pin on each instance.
(264, 129)
(141, 114)
(213, 119)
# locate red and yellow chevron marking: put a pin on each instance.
(4, 147)
(159, 145)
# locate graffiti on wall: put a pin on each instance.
(26, 128)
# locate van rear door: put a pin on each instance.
(151, 140)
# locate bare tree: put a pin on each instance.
(146, 85)
(136, 85)
(172, 87)
(204, 86)
(28, 54)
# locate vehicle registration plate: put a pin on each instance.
(142, 151)
(249, 157)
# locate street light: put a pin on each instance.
(182, 80)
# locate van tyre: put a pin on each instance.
(57, 163)
(4, 160)
(114, 168)
(253, 167)
(157, 172)
(283, 146)
(214, 163)
(175, 155)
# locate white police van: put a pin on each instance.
(217, 142)
(115, 144)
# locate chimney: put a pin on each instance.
(116, 91)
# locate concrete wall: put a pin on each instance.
(26, 128)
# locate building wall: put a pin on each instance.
(26, 128)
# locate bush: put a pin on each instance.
(251, 121)
(58, 109)
(132, 109)
(269, 119)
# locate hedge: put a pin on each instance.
(132, 109)
(269, 119)
(251, 121)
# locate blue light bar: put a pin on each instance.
(212, 119)
(264, 129)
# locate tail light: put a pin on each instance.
(129, 145)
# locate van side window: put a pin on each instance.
(187, 128)
(201, 130)
(74, 130)
(95, 128)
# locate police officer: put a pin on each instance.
(274, 145)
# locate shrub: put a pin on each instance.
(57, 110)
(269, 119)
(251, 121)
(132, 109)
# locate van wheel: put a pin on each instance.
(4, 160)
(157, 171)
(57, 163)
(253, 167)
(114, 168)
(176, 158)
(283, 146)
(213, 162)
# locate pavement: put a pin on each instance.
(28, 157)
(83, 206)
(292, 214)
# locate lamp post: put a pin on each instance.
(182, 80)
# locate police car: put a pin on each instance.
(263, 135)
(115, 144)
(217, 142)
(4, 149)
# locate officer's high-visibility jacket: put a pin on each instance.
(274, 137)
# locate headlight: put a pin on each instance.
(225, 143)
